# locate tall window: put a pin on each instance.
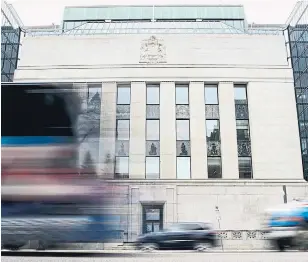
(152, 160)
(182, 132)
(122, 132)
(242, 132)
(212, 131)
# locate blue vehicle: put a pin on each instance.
(287, 225)
(43, 197)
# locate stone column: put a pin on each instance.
(108, 130)
(197, 131)
(229, 157)
(167, 131)
(137, 131)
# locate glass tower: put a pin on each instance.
(10, 41)
(298, 44)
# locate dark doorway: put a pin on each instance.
(152, 218)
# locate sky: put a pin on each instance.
(47, 12)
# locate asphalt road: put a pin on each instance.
(155, 256)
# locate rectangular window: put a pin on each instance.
(153, 95)
(240, 94)
(122, 130)
(181, 95)
(123, 95)
(212, 130)
(183, 167)
(152, 130)
(245, 167)
(214, 167)
(211, 95)
(182, 130)
(122, 167)
(242, 130)
(152, 167)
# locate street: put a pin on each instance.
(124, 256)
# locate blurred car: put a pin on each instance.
(196, 236)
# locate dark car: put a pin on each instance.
(197, 236)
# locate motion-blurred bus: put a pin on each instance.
(44, 197)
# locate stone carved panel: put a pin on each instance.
(123, 111)
(183, 148)
(152, 148)
(213, 148)
(182, 111)
(241, 111)
(244, 148)
(153, 112)
(237, 235)
(212, 111)
(122, 148)
(153, 51)
(241, 234)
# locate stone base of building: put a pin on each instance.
(235, 206)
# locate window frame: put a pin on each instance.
(156, 86)
(176, 129)
(251, 169)
(177, 167)
(240, 86)
(186, 86)
(115, 166)
(220, 161)
(117, 126)
(206, 129)
(122, 86)
(152, 157)
(217, 94)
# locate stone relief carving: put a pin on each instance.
(153, 112)
(183, 148)
(122, 148)
(241, 112)
(182, 111)
(211, 111)
(152, 148)
(213, 148)
(153, 51)
(123, 111)
(244, 148)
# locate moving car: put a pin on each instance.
(287, 225)
(197, 236)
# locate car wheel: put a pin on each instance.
(148, 247)
(202, 246)
(281, 245)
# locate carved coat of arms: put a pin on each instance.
(153, 51)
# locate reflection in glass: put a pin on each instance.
(240, 95)
(183, 167)
(123, 96)
(152, 214)
(211, 95)
(214, 167)
(153, 95)
(152, 167)
(122, 164)
(182, 129)
(245, 168)
(152, 130)
(123, 129)
(242, 130)
(212, 130)
(181, 95)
